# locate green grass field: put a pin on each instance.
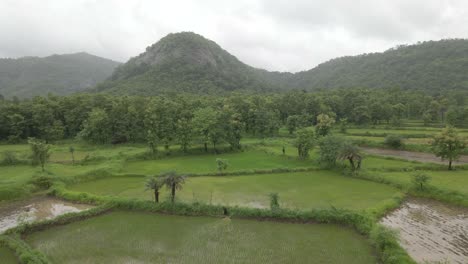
(7, 256)
(304, 190)
(152, 238)
(448, 180)
(207, 163)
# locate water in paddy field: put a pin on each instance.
(431, 232)
(37, 209)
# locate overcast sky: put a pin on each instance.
(289, 35)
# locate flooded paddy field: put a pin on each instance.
(35, 209)
(431, 232)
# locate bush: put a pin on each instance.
(274, 201)
(9, 158)
(420, 180)
(393, 141)
(42, 181)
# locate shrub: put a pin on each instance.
(393, 141)
(274, 201)
(42, 181)
(222, 164)
(9, 158)
(329, 150)
(420, 180)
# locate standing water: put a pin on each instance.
(37, 209)
(431, 232)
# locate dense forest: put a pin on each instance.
(57, 74)
(180, 119)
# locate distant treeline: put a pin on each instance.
(180, 119)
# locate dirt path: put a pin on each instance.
(431, 232)
(411, 155)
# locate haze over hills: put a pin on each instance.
(58, 74)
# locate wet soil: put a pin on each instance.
(412, 155)
(431, 232)
(36, 209)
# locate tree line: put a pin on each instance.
(211, 120)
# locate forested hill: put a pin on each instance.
(433, 66)
(188, 62)
(59, 74)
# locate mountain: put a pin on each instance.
(59, 74)
(432, 66)
(187, 62)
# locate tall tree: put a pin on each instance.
(173, 181)
(305, 139)
(448, 145)
(40, 151)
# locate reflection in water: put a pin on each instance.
(431, 231)
(43, 208)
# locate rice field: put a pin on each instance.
(152, 238)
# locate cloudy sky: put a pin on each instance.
(282, 35)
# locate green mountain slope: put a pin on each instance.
(433, 66)
(187, 62)
(58, 74)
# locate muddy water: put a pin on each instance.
(37, 209)
(431, 232)
(414, 156)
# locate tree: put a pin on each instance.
(420, 179)
(172, 181)
(305, 139)
(234, 128)
(155, 184)
(184, 133)
(222, 164)
(97, 128)
(208, 124)
(448, 145)
(72, 151)
(324, 124)
(329, 149)
(343, 124)
(40, 151)
(351, 153)
(292, 123)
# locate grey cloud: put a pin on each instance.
(281, 35)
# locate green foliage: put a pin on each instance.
(274, 201)
(351, 153)
(324, 124)
(222, 164)
(420, 180)
(155, 184)
(9, 158)
(40, 151)
(97, 127)
(42, 181)
(386, 243)
(172, 181)
(305, 140)
(57, 74)
(394, 141)
(25, 253)
(330, 148)
(448, 145)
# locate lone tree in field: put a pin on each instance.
(420, 180)
(173, 181)
(274, 201)
(72, 151)
(305, 140)
(155, 184)
(351, 153)
(448, 145)
(222, 164)
(324, 124)
(40, 151)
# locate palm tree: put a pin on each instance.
(173, 181)
(154, 183)
(352, 154)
